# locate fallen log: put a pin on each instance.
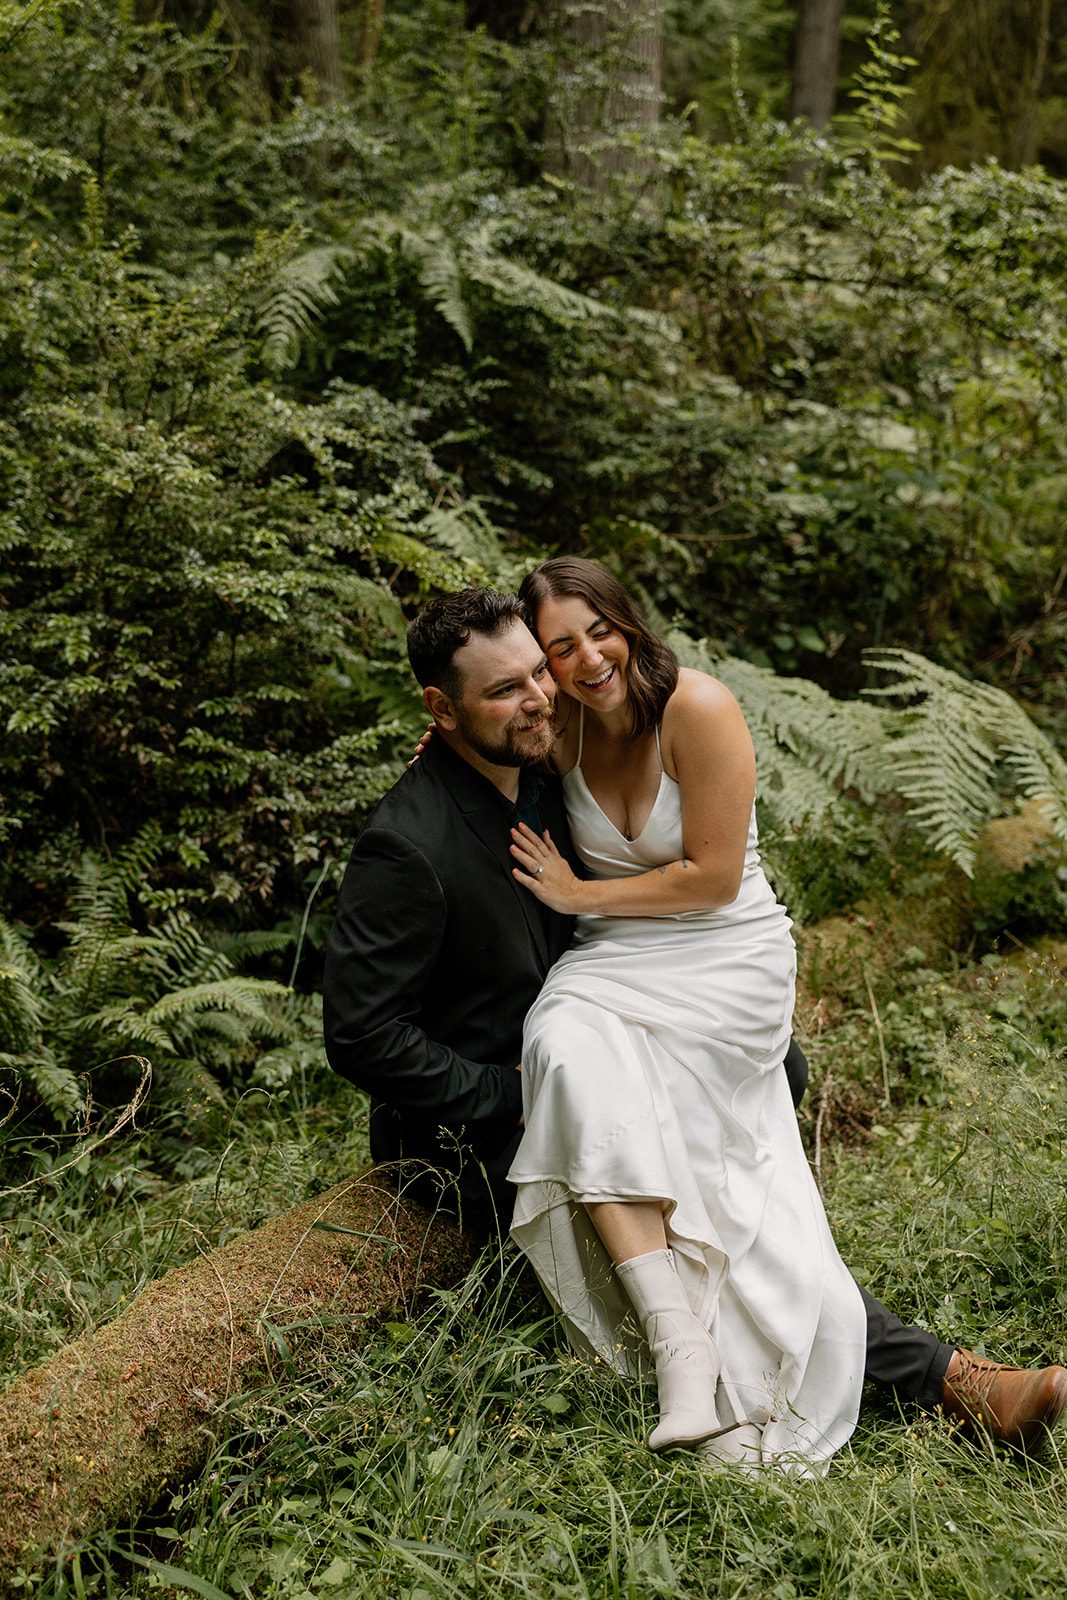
(93, 1436)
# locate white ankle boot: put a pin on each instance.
(738, 1447)
(686, 1356)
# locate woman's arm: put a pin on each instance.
(705, 739)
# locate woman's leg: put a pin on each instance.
(628, 1228)
(688, 1365)
(685, 1354)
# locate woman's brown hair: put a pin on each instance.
(652, 673)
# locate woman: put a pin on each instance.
(661, 1170)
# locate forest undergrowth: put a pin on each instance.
(466, 1452)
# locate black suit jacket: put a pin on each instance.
(436, 955)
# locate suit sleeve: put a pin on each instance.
(385, 945)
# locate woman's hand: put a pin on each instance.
(546, 873)
(421, 746)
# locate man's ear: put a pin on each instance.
(440, 708)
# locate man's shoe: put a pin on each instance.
(1011, 1405)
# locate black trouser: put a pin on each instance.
(910, 1361)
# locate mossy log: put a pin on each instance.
(94, 1435)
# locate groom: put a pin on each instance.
(437, 954)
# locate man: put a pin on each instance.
(437, 954)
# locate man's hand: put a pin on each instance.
(547, 875)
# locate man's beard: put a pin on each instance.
(509, 751)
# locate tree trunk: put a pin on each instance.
(816, 48)
(316, 34)
(97, 1433)
(370, 32)
(622, 40)
(1024, 137)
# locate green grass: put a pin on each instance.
(468, 1454)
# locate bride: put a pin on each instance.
(661, 1170)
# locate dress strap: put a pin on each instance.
(581, 735)
(659, 752)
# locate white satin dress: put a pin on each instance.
(651, 1069)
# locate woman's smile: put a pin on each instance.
(587, 655)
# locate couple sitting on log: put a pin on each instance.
(560, 972)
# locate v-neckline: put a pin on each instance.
(644, 828)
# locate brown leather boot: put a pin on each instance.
(1011, 1405)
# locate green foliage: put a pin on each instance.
(201, 618)
(465, 1451)
(79, 1029)
(958, 754)
(878, 94)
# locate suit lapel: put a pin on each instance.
(483, 816)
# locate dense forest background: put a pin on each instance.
(310, 309)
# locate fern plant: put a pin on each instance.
(167, 994)
(301, 289)
(958, 754)
(26, 1061)
(449, 263)
(962, 753)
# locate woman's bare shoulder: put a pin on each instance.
(700, 714)
(697, 696)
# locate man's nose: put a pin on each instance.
(536, 698)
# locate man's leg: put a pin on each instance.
(1012, 1405)
(795, 1063)
(910, 1361)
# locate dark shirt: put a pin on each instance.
(526, 809)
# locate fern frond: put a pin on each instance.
(808, 745)
(440, 276)
(245, 996)
(20, 1002)
(303, 288)
(187, 955)
(517, 284)
(443, 264)
(956, 751)
(229, 1028)
(251, 942)
(957, 755)
(363, 597)
(124, 1022)
(467, 532)
(57, 1086)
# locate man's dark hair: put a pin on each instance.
(446, 626)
